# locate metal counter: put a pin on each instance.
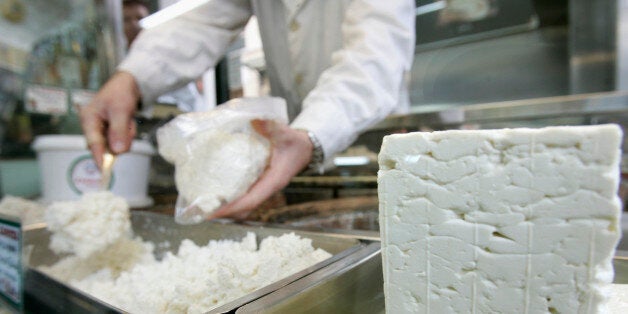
(357, 288)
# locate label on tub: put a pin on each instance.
(84, 176)
(11, 269)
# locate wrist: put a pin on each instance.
(317, 159)
(132, 84)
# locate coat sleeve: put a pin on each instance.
(367, 75)
(176, 52)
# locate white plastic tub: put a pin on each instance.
(68, 170)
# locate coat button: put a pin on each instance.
(298, 79)
(294, 26)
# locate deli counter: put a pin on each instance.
(343, 220)
(339, 209)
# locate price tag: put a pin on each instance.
(11, 271)
(44, 99)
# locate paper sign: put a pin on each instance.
(48, 100)
(11, 279)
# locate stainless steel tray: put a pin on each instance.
(45, 293)
(354, 285)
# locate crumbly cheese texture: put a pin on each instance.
(222, 167)
(499, 221)
(213, 166)
(194, 280)
(29, 212)
(118, 257)
(88, 225)
(618, 299)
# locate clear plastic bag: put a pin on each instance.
(217, 154)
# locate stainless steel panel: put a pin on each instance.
(592, 45)
(585, 109)
(520, 66)
(355, 287)
(620, 263)
(622, 45)
(443, 23)
(575, 51)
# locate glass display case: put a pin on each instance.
(55, 55)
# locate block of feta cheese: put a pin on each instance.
(499, 221)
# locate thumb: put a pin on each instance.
(266, 128)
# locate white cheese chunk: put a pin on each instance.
(221, 168)
(499, 221)
(88, 225)
(618, 300)
(215, 161)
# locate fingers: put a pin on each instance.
(107, 121)
(123, 94)
(93, 128)
(269, 183)
(266, 128)
(121, 131)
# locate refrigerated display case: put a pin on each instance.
(57, 55)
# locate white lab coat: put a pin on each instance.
(341, 65)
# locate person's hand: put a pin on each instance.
(107, 121)
(291, 151)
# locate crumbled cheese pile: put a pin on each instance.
(494, 221)
(110, 262)
(618, 299)
(111, 265)
(88, 225)
(28, 211)
(213, 165)
(197, 278)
